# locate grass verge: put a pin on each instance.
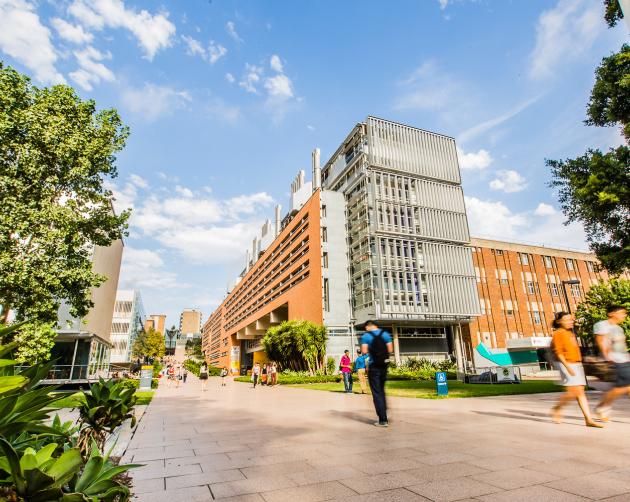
(426, 390)
(73, 400)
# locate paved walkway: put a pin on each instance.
(285, 444)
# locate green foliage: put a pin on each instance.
(613, 12)
(194, 367)
(106, 406)
(594, 189)
(193, 348)
(56, 152)
(331, 365)
(610, 98)
(35, 340)
(149, 344)
(598, 298)
(297, 345)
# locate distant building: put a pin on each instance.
(128, 322)
(520, 288)
(82, 346)
(190, 323)
(156, 322)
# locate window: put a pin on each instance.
(553, 289)
(548, 261)
(498, 252)
(575, 291)
(502, 276)
(325, 260)
(326, 299)
(570, 264)
(324, 234)
(590, 267)
(509, 312)
(531, 288)
(523, 258)
(536, 317)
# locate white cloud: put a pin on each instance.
(153, 31)
(474, 160)
(144, 268)
(489, 124)
(27, 40)
(443, 4)
(70, 32)
(279, 88)
(138, 181)
(212, 54)
(230, 78)
(493, 219)
(91, 70)
(230, 27)
(251, 78)
(276, 63)
(508, 181)
(227, 113)
(427, 88)
(310, 127)
(544, 210)
(153, 101)
(197, 225)
(563, 34)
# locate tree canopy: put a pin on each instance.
(613, 12)
(297, 345)
(56, 154)
(598, 299)
(148, 344)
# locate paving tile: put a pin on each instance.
(536, 493)
(204, 478)
(444, 458)
(510, 479)
(446, 471)
(397, 495)
(322, 474)
(163, 472)
(310, 493)
(250, 497)
(452, 489)
(254, 485)
(257, 471)
(568, 468)
(379, 482)
(195, 494)
(501, 462)
(148, 485)
(377, 466)
(594, 486)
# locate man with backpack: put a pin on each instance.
(378, 344)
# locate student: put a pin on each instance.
(360, 365)
(171, 375)
(224, 373)
(255, 374)
(203, 376)
(612, 344)
(185, 374)
(346, 371)
(567, 352)
(378, 344)
(263, 376)
(274, 374)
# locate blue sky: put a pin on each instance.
(225, 101)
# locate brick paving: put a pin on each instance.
(281, 444)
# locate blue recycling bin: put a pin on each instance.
(441, 383)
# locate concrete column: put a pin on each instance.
(396, 345)
(459, 354)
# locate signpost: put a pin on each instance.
(441, 385)
(146, 376)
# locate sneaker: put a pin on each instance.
(381, 424)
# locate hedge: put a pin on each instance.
(134, 383)
(295, 379)
(194, 367)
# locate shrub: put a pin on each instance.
(331, 365)
(297, 345)
(195, 366)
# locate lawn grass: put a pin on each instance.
(426, 390)
(73, 400)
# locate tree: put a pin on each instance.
(297, 345)
(598, 298)
(610, 98)
(193, 348)
(34, 341)
(149, 344)
(56, 152)
(595, 190)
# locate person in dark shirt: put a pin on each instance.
(378, 344)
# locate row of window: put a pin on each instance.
(526, 259)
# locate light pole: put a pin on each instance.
(564, 290)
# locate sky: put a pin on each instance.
(225, 101)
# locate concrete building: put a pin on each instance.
(128, 322)
(82, 347)
(379, 233)
(520, 288)
(190, 323)
(156, 322)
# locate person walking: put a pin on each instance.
(224, 373)
(263, 375)
(567, 351)
(203, 376)
(171, 375)
(611, 340)
(255, 374)
(185, 374)
(274, 374)
(360, 365)
(377, 343)
(180, 377)
(345, 365)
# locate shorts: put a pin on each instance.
(572, 381)
(623, 374)
(203, 376)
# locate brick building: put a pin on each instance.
(520, 288)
